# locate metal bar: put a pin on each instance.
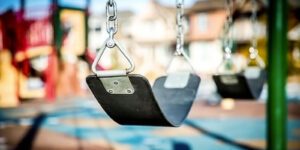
(277, 60)
(57, 34)
(86, 22)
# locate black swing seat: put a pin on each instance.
(239, 86)
(159, 106)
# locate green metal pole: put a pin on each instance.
(277, 61)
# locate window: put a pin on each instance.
(202, 22)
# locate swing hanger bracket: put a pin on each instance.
(112, 28)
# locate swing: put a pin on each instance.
(241, 86)
(129, 99)
(247, 84)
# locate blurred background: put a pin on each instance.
(48, 46)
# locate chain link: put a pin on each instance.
(110, 2)
(111, 10)
(111, 22)
(179, 22)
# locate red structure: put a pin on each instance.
(28, 41)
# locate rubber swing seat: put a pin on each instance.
(239, 86)
(157, 106)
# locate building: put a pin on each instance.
(153, 32)
(206, 19)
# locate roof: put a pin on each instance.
(207, 5)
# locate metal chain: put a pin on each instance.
(180, 31)
(111, 22)
(227, 39)
(253, 49)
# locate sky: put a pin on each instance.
(97, 6)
